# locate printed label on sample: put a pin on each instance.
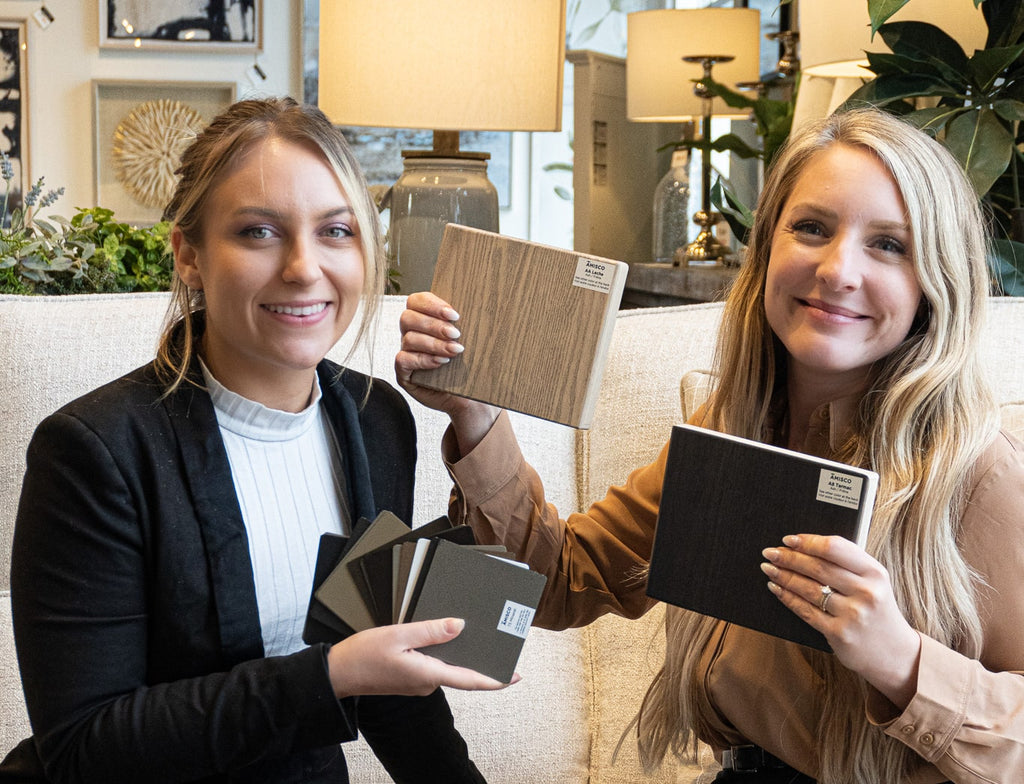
(594, 275)
(515, 619)
(835, 487)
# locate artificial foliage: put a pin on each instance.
(972, 102)
(772, 117)
(90, 253)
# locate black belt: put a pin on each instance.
(754, 759)
(750, 759)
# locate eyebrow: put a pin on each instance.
(266, 212)
(885, 225)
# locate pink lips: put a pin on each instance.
(298, 314)
(831, 310)
(299, 310)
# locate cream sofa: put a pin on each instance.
(581, 687)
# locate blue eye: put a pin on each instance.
(339, 232)
(813, 228)
(257, 232)
(890, 245)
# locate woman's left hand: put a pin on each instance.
(859, 618)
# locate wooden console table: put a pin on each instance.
(656, 285)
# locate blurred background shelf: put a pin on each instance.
(657, 285)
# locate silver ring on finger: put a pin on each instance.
(826, 594)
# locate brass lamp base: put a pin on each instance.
(706, 250)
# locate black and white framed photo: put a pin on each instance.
(13, 116)
(186, 25)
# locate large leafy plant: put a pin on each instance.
(772, 119)
(90, 253)
(974, 104)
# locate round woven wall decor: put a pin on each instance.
(148, 143)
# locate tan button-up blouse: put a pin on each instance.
(966, 719)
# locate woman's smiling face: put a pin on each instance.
(841, 291)
(280, 263)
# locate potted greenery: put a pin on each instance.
(90, 253)
(976, 107)
(974, 104)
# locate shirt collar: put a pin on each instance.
(829, 427)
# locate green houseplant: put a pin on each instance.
(974, 104)
(90, 253)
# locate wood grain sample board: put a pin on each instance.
(536, 322)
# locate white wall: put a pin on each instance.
(64, 58)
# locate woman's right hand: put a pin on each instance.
(430, 340)
(384, 660)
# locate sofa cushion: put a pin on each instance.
(1012, 415)
(620, 646)
(542, 720)
(1001, 349)
(694, 388)
(651, 349)
(59, 348)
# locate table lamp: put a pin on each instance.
(666, 51)
(446, 65)
(836, 34)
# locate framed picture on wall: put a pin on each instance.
(184, 25)
(141, 129)
(13, 116)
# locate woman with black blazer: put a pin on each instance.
(169, 521)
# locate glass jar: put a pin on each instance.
(672, 210)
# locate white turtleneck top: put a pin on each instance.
(288, 476)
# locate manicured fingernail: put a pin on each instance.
(774, 588)
(450, 314)
(451, 332)
(771, 553)
(458, 348)
(454, 625)
(444, 360)
(791, 541)
(770, 570)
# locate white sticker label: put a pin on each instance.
(515, 619)
(595, 275)
(840, 489)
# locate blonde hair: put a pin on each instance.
(210, 157)
(922, 425)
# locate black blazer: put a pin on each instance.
(134, 605)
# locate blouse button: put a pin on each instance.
(927, 739)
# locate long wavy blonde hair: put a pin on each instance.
(925, 420)
(212, 156)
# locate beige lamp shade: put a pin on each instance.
(483, 65)
(819, 96)
(659, 86)
(835, 34)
